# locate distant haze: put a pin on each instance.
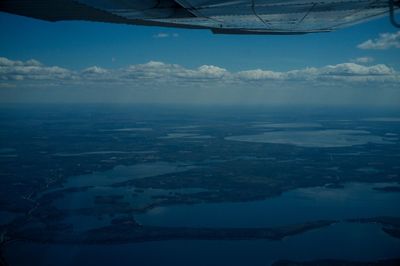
(157, 82)
(81, 62)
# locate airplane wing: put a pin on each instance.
(227, 17)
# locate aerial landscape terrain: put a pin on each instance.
(199, 133)
(75, 177)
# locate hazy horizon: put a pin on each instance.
(83, 62)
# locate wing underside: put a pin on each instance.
(230, 16)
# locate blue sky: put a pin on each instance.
(76, 46)
(83, 44)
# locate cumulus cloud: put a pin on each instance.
(31, 70)
(352, 69)
(259, 74)
(383, 42)
(210, 71)
(362, 60)
(94, 70)
(5, 62)
(160, 73)
(348, 72)
(152, 70)
(161, 35)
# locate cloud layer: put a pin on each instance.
(385, 41)
(159, 73)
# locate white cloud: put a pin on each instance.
(94, 70)
(259, 74)
(210, 71)
(352, 69)
(31, 70)
(94, 73)
(345, 73)
(4, 62)
(385, 41)
(362, 60)
(152, 70)
(348, 72)
(161, 35)
(160, 73)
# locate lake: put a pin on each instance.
(346, 240)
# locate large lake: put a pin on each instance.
(331, 138)
(296, 206)
(346, 240)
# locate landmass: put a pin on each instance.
(129, 231)
(31, 164)
(44, 148)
